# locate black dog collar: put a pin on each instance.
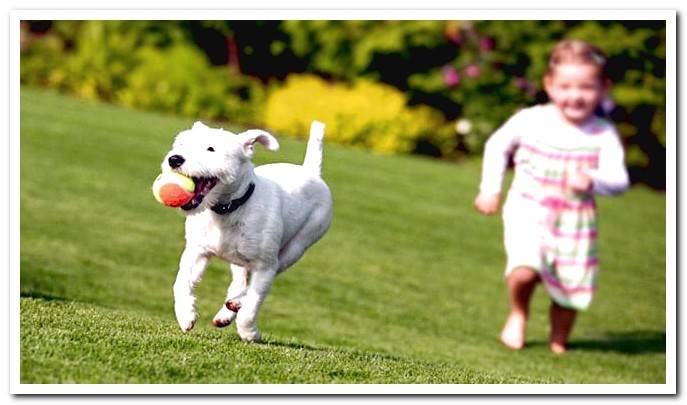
(233, 205)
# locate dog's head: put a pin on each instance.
(215, 159)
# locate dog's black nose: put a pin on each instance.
(175, 161)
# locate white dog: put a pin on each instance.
(259, 219)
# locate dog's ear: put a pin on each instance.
(198, 125)
(250, 137)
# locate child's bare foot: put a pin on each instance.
(558, 348)
(513, 333)
(562, 320)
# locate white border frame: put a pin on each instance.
(670, 387)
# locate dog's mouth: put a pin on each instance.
(203, 187)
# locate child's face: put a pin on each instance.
(576, 89)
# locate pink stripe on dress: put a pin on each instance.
(572, 262)
(591, 157)
(551, 280)
(585, 234)
(560, 203)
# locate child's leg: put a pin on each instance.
(562, 320)
(520, 282)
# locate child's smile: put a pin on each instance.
(576, 90)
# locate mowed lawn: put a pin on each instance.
(406, 287)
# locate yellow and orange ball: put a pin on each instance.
(173, 189)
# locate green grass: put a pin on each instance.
(406, 287)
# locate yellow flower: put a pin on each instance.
(366, 114)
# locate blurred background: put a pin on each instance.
(99, 254)
(434, 88)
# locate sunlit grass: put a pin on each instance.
(406, 287)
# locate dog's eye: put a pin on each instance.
(211, 149)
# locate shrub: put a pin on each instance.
(350, 48)
(147, 65)
(89, 59)
(365, 114)
(482, 71)
(475, 73)
(179, 79)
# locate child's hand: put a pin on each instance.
(579, 183)
(487, 204)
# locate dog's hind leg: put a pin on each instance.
(311, 232)
(237, 289)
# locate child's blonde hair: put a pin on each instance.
(576, 51)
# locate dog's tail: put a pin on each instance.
(313, 152)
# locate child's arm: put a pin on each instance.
(496, 152)
(610, 178)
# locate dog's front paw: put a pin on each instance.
(224, 317)
(186, 317)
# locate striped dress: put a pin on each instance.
(547, 227)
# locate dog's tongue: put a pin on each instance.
(203, 186)
(200, 184)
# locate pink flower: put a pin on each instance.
(472, 70)
(487, 44)
(521, 83)
(451, 76)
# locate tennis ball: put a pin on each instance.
(173, 189)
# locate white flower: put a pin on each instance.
(463, 126)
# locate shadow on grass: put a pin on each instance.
(42, 296)
(347, 351)
(635, 342)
